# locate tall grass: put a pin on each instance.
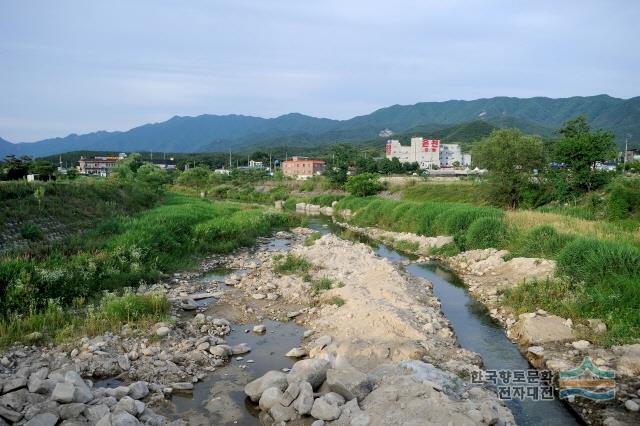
(164, 238)
(56, 323)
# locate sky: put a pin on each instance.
(76, 66)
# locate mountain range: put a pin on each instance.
(219, 133)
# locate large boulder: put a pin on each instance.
(538, 330)
(304, 401)
(325, 410)
(629, 361)
(272, 379)
(44, 419)
(138, 390)
(349, 382)
(312, 370)
(269, 398)
(63, 393)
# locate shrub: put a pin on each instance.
(336, 300)
(291, 264)
(363, 184)
(544, 241)
(591, 261)
(322, 284)
(486, 232)
(31, 232)
(312, 238)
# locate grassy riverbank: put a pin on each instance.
(596, 277)
(124, 251)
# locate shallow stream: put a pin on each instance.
(219, 398)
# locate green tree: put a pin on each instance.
(511, 159)
(153, 176)
(45, 169)
(364, 184)
(195, 177)
(580, 148)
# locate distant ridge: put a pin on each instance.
(218, 133)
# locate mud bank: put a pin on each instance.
(546, 340)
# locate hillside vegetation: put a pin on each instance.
(221, 133)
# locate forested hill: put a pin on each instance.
(242, 133)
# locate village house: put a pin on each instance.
(302, 167)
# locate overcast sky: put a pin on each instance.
(80, 66)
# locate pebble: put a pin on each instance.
(162, 331)
(260, 328)
(631, 405)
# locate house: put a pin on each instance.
(302, 167)
(169, 164)
(99, 166)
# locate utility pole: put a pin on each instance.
(626, 147)
(270, 166)
(230, 165)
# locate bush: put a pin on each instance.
(291, 264)
(592, 261)
(544, 241)
(364, 184)
(322, 284)
(311, 238)
(31, 232)
(623, 200)
(486, 232)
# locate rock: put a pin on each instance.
(220, 351)
(124, 362)
(9, 414)
(296, 353)
(63, 392)
(281, 413)
(14, 400)
(118, 392)
(260, 328)
(324, 410)
(71, 411)
(361, 419)
(259, 296)
(123, 418)
(318, 423)
(182, 386)
(631, 405)
(312, 370)
(538, 330)
(82, 392)
(629, 361)
(94, 413)
(188, 304)
(597, 325)
(272, 379)
(536, 351)
(580, 345)
(163, 331)
(138, 390)
(349, 382)
(307, 333)
(304, 401)
(241, 348)
(334, 398)
(322, 341)
(43, 419)
(290, 394)
(39, 385)
(269, 398)
(13, 384)
(126, 404)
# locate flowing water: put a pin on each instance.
(474, 328)
(219, 398)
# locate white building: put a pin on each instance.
(427, 153)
